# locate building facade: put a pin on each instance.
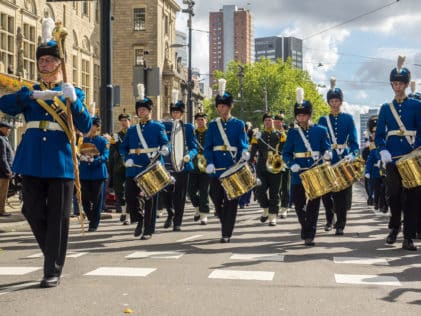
(363, 124)
(275, 47)
(230, 38)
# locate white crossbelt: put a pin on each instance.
(403, 132)
(45, 125)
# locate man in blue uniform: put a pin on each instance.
(344, 139)
(303, 149)
(48, 174)
(93, 173)
(398, 133)
(142, 143)
(225, 143)
(174, 196)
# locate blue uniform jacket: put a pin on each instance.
(154, 134)
(44, 153)
(410, 114)
(372, 165)
(237, 137)
(190, 144)
(345, 132)
(319, 141)
(97, 169)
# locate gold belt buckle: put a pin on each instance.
(401, 133)
(224, 147)
(44, 124)
(138, 151)
(334, 146)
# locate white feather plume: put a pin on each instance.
(332, 83)
(174, 96)
(140, 91)
(221, 86)
(47, 27)
(413, 86)
(401, 60)
(300, 95)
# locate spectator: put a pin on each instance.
(6, 160)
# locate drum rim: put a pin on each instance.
(231, 170)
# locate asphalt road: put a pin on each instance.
(263, 271)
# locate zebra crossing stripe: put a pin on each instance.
(17, 270)
(258, 256)
(367, 279)
(359, 260)
(189, 238)
(242, 275)
(156, 254)
(121, 271)
(69, 254)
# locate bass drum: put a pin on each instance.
(153, 179)
(177, 145)
(238, 180)
(318, 180)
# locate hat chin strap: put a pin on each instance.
(45, 75)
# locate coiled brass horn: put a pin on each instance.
(201, 163)
(274, 161)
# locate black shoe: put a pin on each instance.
(126, 222)
(196, 218)
(391, 238)
(309, 242)
(177, 228)
(138, 229)
(168, 222)
(328, 227)
(408, 244)
(376, 206)
(146, 237)
(50, 282)
(122, 217)
(263, 218)
(92, 229)
(383, 210)
(224, 240)
(339, 232)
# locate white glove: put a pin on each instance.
(84, 158)
(129, 163)
(186, 158)
(258, 135)
(210, 168)
(164, 150)
(69, 92)
(91, 159)
(46, 94)
(295, 167)
(367, 176)
(245, 155)
(349, 157)
(327, 156)
(385, 156)
(315, 157)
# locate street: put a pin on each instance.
(262, 271)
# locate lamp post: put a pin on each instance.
(189, 11)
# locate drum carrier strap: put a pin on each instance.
(338, 147)
(232, 150)
(409, 135)
(307, 143)
(143, 142)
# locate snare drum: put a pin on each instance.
(345, 175)
(238, 180)
(318, 180)
(409, 167)
(153, 179)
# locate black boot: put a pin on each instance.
(393, 234)
(408, 244)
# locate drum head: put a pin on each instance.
(177, 145)
(232, 170)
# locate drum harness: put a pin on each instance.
(314, 154)
(409, 135)
(227, 146)
(152, 152)
(340, 148)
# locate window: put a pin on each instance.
(86, 79)
(29, 50)
(139, 57)
(7, 39)
(75, 71)
(85, 8)
(166, 25)
(139, 19)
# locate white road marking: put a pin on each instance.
(189, 238)
(17, 270)
(367, 279)
(242, 275)
(70, 254)
(17, 287)
(359, 260)
(156, 254)
(121, 271)
(258, 256)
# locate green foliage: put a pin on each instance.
(280, 79)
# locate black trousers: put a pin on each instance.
(379, 193)
(46, 205)
(141, 209)
(92, 198)
(284, 190)
(341, 205)
(327, 200)
(225, 209)
(272, 183)
(402, 200)
(118, 186)
(174, 197)
(198, 190)
(307, 211)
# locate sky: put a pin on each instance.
(360, 53)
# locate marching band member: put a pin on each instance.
(302, 150)
(284, 193)
(143, 142)
(372, 169)
(93, 173)
(225, 143)
(198, 179)
(344, 139)
(266, 145)
(117, 168)
(398, 133)
(48, 176)
(174, 195)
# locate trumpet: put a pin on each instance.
(274, 162)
